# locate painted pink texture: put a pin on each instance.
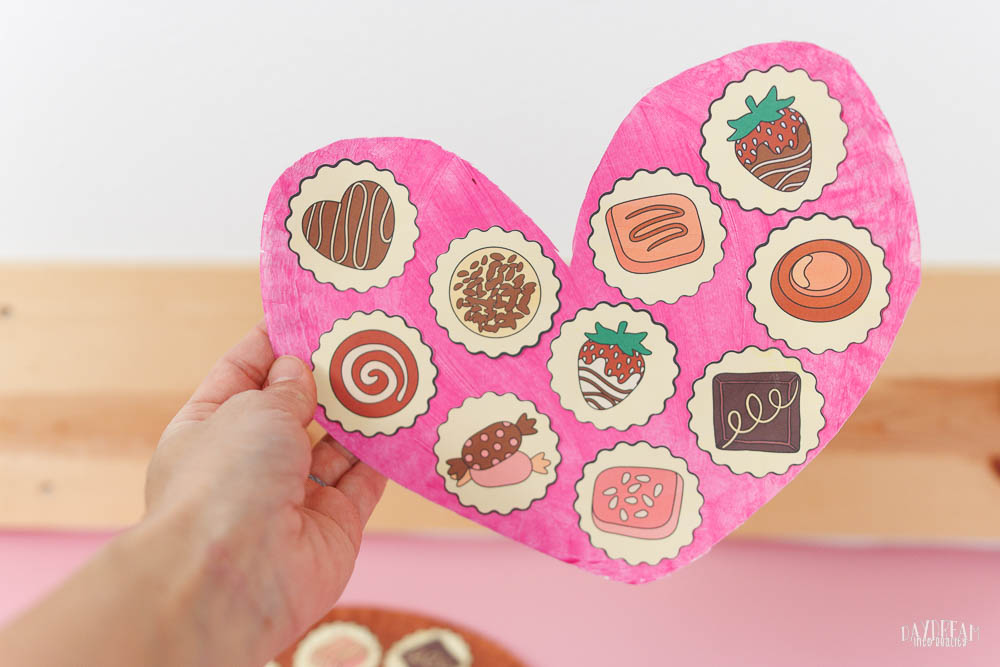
(662, 130)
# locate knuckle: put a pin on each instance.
(290, 398)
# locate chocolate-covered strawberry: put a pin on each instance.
(772, 142)
(611, 365)
(493, 456)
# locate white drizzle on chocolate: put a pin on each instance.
(755, 410)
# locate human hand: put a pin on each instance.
(232, 473)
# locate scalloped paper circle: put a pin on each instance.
(823, 115)
(329, 183)
(817, 337)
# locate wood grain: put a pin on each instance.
(98, 358)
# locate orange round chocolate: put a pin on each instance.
(821, 281)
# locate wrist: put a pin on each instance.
(199, 591)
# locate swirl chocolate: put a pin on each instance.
(354, 232)
(373, 374)
(821, 281)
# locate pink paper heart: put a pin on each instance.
(716, 429)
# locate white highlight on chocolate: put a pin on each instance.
(370, 372)
(370, 226)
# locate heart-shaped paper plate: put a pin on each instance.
(743, 259)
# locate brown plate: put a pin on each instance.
(391, 625)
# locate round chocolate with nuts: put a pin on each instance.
(495, 292)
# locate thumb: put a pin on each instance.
(291, 386)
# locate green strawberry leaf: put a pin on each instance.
(764, 112)
(629, 343)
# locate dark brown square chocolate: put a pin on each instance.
(431, 654)
(756, 411)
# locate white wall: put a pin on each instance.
(131, 133)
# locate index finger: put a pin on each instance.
(242, 368)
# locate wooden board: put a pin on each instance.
(97, 359)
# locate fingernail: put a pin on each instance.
(284, 369)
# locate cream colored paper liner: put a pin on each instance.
(442, 294)
(329, 184)
(452, 641)
(653, 390)
(472, 416)
(817, 336)
(668, 285)
(328, 632)
(636, 550)
(826, 129)
(379, 321)
(758, 464)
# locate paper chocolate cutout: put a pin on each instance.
(495, 291)
(352, 225)
(819, 284)
(657, 236)
(774, 139)
(743, 259)
(338, 643)
(638, 502)
(497, 453)
(757, 411)
(373, 372)
(613, 378)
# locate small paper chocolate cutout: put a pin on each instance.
(756, 411)
(788, 153)
(373, 373)
(657, 236)
(600, 363)
(352, 225)
(843, 266)
(638, 503)
(495, 292)
(497, 453)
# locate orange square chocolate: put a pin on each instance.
(655, 233)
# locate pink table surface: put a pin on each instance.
(846, 607)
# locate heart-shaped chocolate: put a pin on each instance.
(743, 259)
